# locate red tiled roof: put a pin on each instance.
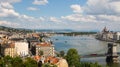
(53, 60)
(44, 44)
(35, 35)
(10, 45)
(37, 57)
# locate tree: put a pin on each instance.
(48, 65)
(17, 62)
(62, 53)
(29, 62)
(88, 64)
(7, 61)
(40, 52)
(2, 64)
(73, 58)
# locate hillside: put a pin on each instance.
(10, 29)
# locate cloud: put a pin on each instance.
(6, 5)
(4, 12)
(108, 18)
(76, 8)
(109, 7)
(10, 1)
(7, 10)
(95, 14)
(40, 2)
(32, 8)
(9, 17)
(79, 18)
(9, 24)
(54, 19)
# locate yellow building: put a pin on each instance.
(46, 47)
(8, 49)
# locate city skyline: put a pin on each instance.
(61, 14)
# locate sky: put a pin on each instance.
(84, 15)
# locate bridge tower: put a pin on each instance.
(112, 56)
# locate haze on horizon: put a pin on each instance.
(61, 14)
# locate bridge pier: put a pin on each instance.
(112, 56)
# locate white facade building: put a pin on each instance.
(117, 36)
(21, 48)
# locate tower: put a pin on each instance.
(112, 56)
(105, 30)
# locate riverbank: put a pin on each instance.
(85, 44)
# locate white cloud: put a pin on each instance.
(109, 7)
(10, 1)
(54, 19)
(9, 24)
(79, 18)
(95, 14)
(9, 17)
(6, 5)
(42, 19)
(76, 8)
(40, 2)
(115, 7)
(32, 8)
(4, 12)
(108, 18)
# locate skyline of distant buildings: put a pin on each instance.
(107, 35)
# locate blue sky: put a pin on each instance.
(85, 15)
(52, 8)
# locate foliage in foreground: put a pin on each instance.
(8, 61)
(73, 60)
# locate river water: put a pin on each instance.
(85, 45)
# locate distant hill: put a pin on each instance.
(63, 30)
(54, 30)
(10, 29)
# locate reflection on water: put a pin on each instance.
(84, 44)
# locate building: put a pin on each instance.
(117, 36)
(105, 35)
(112, 56)
(8, 49)
(21, 48)
(46, 47)
(62, 63)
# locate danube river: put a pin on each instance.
(85, 44)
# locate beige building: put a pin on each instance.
(117, 36)
(46, 47)
(62, 63)
(21, 48)
(15, 48)
(8, 49)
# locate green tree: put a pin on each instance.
(29, 62)
(73, 58)
(48, 65)
(2, 64)
(88, 64)
(17, 62)
(7, 61)
(40, 52)
(62, 53)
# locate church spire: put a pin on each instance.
(105, 29)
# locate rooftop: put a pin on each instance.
(44, 44)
